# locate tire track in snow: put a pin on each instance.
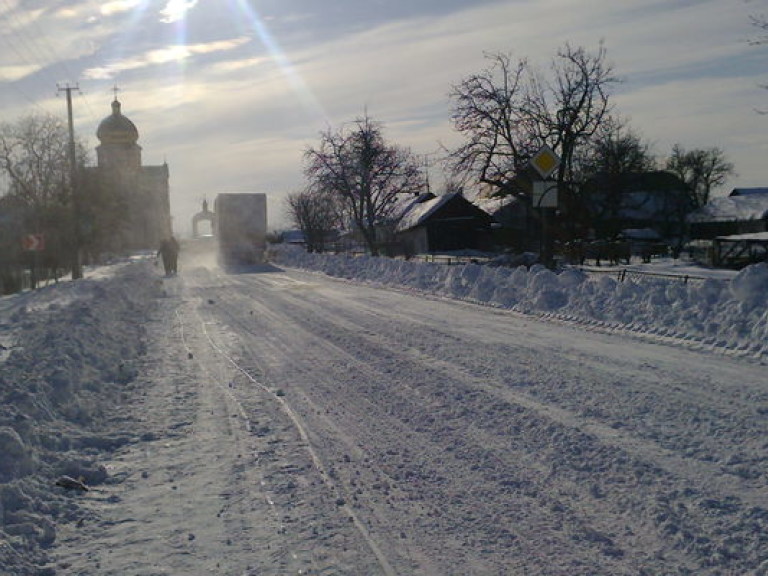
(317, 462)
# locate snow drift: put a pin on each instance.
(71, 357)
(725, 315)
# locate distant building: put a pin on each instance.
(748, 191)
(655, 200)
(443, 224)
(138, 195)
(734, 228)
(729, 215)
(203, 216)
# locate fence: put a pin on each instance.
(625, 273)
(449, 260)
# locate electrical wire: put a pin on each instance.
(29, 41)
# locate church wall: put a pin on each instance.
(143, 190)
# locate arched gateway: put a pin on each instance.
(204, 216)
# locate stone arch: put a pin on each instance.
(204, 216)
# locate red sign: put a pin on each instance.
(33, 242)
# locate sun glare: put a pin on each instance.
(176, 10)
(300, 88)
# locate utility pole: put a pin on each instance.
(77, 270)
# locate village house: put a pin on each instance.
(732, 231)
(444, 223)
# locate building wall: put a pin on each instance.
(145, 195)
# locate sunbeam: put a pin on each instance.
(306, 97)
(136, 11)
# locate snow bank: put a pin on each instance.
(71, 358)
(727, 315)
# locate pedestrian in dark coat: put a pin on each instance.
(169, 251)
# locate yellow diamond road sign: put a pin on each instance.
(545, 161)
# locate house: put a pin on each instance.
(748, 191)
(442, 224)
(514, 224)
(735, 228)
(730, 215)
(655, 200)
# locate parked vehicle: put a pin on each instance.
(240, 227)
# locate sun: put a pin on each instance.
(176, 10)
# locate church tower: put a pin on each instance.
(141, 191)
(118, 137)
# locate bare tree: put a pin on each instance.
(34, 159)
(508, 111)
(358, 166)
(760, 21)
(581, 102)
(316, 214)
(701, 170)
(33, 153)
(490, 111)
(603, 167)
(614, 149)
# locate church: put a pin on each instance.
(134, 200)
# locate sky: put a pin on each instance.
(231, 93)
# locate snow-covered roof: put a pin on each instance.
(732, 208)
(418, 213)
(640, 234)
(748, 191)
(763, 236)
(494, 204)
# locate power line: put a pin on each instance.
(35, 51)
(18, 29)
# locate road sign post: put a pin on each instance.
(545, 195)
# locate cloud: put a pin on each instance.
(173, 53)
(12, 73)
(229, 66)
(118, 6)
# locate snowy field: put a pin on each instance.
(333, 415)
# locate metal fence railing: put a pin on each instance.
(449, 260)
(624, 274)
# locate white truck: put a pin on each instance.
(240, 227)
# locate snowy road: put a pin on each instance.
(294, 424)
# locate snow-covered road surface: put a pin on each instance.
(287, 423)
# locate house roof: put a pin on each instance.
(651, 181)
(748, 191)
(493, 205)
(752, 237)
(732, 209)
(418, 212)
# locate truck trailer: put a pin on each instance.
(240, 228)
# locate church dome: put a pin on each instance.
(116, 128)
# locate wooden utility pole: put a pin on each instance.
(77, 270)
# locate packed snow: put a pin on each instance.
(96, 385)
(698, 306)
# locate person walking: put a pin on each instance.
(169, 251)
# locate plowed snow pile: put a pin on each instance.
(726, 315)
(71, 356)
